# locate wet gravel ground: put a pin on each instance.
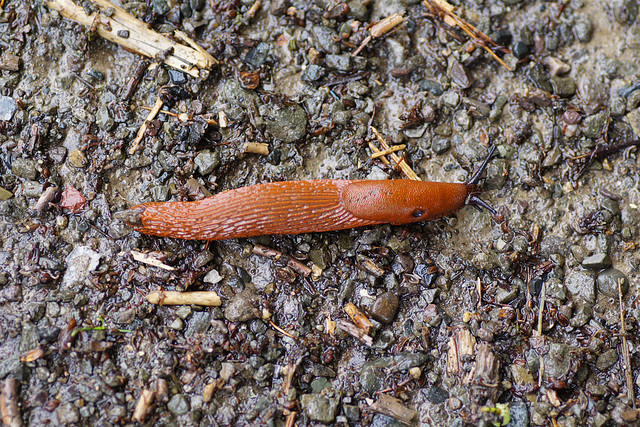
(512, 319)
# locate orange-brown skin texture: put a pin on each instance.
(293, 207)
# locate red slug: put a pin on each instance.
(293, 207)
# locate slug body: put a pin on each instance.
(293, 207)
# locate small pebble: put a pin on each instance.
(520, 50)
(78, 159)
(597, 261)
(607, 282)
(385, 307)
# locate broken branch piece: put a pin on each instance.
(117, 25)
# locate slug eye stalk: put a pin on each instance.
(473, 199)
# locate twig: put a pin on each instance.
(256, 148)
(117, 25)
(291, 419)
(358, 317)
(129, 87)
(9, 404)
(404, 167)
(152, 114)
(388, 151)
(145, 401)
(292, 367)
(379, 29)
(543, 295)
(355, 332)
(393, 408)
(625, 349)
(277, 255)
(253, 9)
(207, 299)
(149, 259)
(282, 331)
(46, 197)
(602, 151)
(442, 9)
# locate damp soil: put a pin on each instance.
(472, 319)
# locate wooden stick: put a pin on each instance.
(146, 399)
(256, 148)
(358, 317)
(447, 10)
(207, 299)
(404, 167)
(625, 349)
(117, 25)
(152, 114)
(9, 407)
(277, 255)
(355, 332)
(388, 151)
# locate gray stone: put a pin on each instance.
(179, 404)
(213, 276)
(24, 168)
(581, 315)
(581, 284)
(597, 261)
(103, 119)
(608, 282)
(505, 296)
(431, 85)
(325, 39)
(358, 10)
(558, 361)
(460, 75)
(440, 145)
(313, 73)
(234, 93)
(435, 395)
(607, 359)
(287, 124)
(519, 414)
(206, 161)
(592, 125)
(450, 99)
(320, 408)
(264, 372)
(177, 324)
(497, 107)
(184, 311)
(199, 323)
(381, 420)
(563, 86)
(583, 30)
(240, 308)
(338, 62)
(634, 120)
(618, 106)
(8, 107)
(257, 56)
(67, 414)
(80, 263)
(169, 162)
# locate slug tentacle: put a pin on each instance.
(473, 198)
